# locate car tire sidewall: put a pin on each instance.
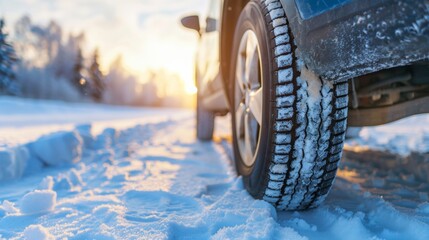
(255, 177)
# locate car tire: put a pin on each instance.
(205, 122)
(289, 126)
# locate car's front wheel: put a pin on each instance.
(288, 123)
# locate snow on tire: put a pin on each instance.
(304, 118)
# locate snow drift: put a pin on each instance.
(154, 180)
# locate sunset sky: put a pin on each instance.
(146, 32)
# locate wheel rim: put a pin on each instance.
(248, 97)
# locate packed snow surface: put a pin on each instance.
(82, 171)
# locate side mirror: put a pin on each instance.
(191, 22)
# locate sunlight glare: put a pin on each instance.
(191, 89)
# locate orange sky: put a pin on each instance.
(146, 32)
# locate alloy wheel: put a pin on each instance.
(248, 97)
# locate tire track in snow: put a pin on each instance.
(154, 182)
(159, 182)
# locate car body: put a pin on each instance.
(367, 39)
(379, 47)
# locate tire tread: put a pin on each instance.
(290, 186)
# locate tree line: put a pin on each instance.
(40, 64)
(43, 62)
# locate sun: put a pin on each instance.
(191, 89)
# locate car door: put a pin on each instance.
(208, 54)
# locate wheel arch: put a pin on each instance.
(230, 14)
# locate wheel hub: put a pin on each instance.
(248, 97)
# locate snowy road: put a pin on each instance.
(148, 178)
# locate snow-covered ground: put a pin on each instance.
(82, 171)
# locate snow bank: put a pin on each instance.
(38, 201)
(37, 232)
(402, 137)
(13, 162)
(68, 130)
(58, 148)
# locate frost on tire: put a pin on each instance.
(307, 124)
(312, 130)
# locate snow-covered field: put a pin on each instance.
(82, 171)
